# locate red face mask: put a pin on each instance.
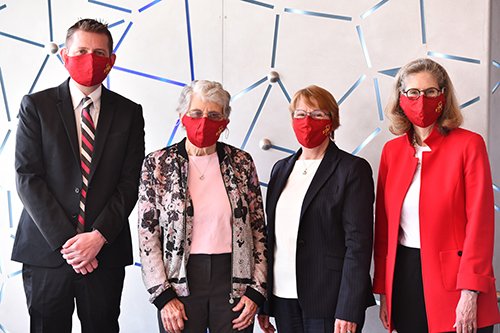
(88, 69)
(311, 132)
(423, 111)
(203, 132)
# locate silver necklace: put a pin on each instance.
(202, 174)
(307, 165)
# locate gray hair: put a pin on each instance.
(210, 91)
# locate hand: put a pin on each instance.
(342, 326)
(92, 266)
(265, 325)
(466, 313)
(173, 316)
(245, 319)
(80, 250)
(383, 312)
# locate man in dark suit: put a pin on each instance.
(79, 151)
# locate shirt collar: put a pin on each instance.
(77, 95)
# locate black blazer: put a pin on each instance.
(48, 176)
(335, 235)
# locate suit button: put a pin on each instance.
(459, 253)
(77, 190)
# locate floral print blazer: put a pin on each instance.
(166, 222)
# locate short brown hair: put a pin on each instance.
(316, 95)
(90, 25)
(450, 118)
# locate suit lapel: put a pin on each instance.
(67, 113)
(106, 115)
(325, 170)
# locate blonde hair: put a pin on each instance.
(314, 95)
(451, 117)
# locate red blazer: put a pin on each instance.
(456, 223)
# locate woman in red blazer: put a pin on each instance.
(434, 228)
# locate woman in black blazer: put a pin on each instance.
(320, 224)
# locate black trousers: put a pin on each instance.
(51, 294)
(408, 303)
(208, 306)
(290, 318)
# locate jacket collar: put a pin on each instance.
(433, 140)
(219, 148)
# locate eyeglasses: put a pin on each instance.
(212, 115)
(315, 114)
(415, 93)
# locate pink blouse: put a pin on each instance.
(212, 211)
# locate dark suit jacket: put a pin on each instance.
(49, 179)
(334, 241)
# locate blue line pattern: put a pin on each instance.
(354, 86)
(246, 90)
(108, 82)
(148, 5)
(122, 37)
(176, 126)
(496, 188)
(452, 57)
(495, 87)
(60, 59)
(138, 264)
(275, 40)
(3, 6)
(257, 114)
(190, 44)
(422, 22)
(21, 39)
(50, 21)
(16, 273)
(263, 184)
(468, 103)
(4, 94)
(39, 73)
(390, 72)
(367, 141)
(4, 142)
(373, 9)
(497, 208)
(149, 76)
(110, 6)
(283, 89)
(112, 25)
(325, 15)
(363, 46)
(379, 102)
(495, 63)
(259, 3)
(283, 149)
(9, 206)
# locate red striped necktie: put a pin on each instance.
(86, 151)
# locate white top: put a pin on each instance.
(287, 226)
(76, 98)
(212, 232)
(409, 224)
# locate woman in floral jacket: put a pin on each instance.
(201, 223)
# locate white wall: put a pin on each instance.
(239, 43)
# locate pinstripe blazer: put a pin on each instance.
(334, 241)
